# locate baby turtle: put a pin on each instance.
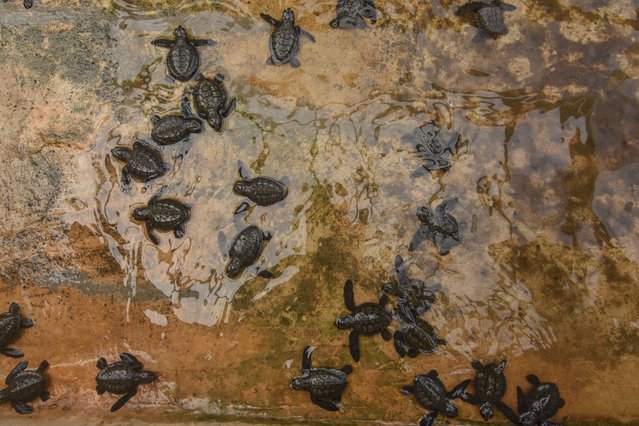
(25, 385)
(431, 394)
(245, 249)
(263, 191)
(166, 214)
(367, 319)
(490, 387)
(537, 406)
(440, 227)
(416, 293)
(143, 162)
(210, 100)
(285, 39)
(417, 335)
(325, 384)
(352, 14)
(183, 59)
(121, 378)
(175, 128)
(10, 324)
(436, 152)
(27, 3)
(489, 17)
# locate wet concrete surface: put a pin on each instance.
(545, 173)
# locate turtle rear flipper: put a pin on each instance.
(295, 63)
(327, 405)
(12, 352)
(201, 42)
(21, 408)
(43, 366)
(521, 401)
(120, 402)
(386, 334)
(27, 323)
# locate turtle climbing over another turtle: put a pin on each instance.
(25, 385)
(174, 128)
(430, 393)
(417, 336)
(490, 387)
(245, 250)
(367, 319)
(285, 39)
(537, 406)
(164, 214)
(419, 295)
(439, 227)
(183, 59)
(143, 162)
(263, 191)
(121, 378)
(489, 17)
(352, 14)
(211, 100)
(325, 384)
(11, 323)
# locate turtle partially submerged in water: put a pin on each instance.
(183, 59)
(121, 378)
(489, 17)
(325, 384)
(352, 14)
(367, 319)
(285, 39)
(416, 336)
(174, 128)
(24, 386)
(27, 3)
(165, 214)
(261, 190)
(440, 227)
(490, 387)
(143, 162)
(419, 295)
(537, 406)
(245, 250)
(11, 323)
(430, 393)
(211, 100)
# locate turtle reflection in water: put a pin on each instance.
(440, 227)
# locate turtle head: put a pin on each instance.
(450, 410)
(234, 268)
(344, 322)
(121, 153)
(145, 377)
(219, 78)
(300, 383)
(141, 213)
(215, 120)
(288, 15)
(425, 215)
(486, 410)
(180, 32)
(240, 187)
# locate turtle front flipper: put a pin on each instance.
(469, 7)
(428, 419)
(151, 235)
(408, 390)
(21, 408)
(43, 366)
(470, 398)
(163, 42)
(507, 412)
(16, 370)
(353, 345)
(327, 405)
(270, 20)
(307, 35)
(12, 352)
(398, 340)
(306, 358)
(460, 390)
(241, 208)
(200, 42)
(521, 401)
(131, 360)
(120, 402)
(229, 108)
(349, 295)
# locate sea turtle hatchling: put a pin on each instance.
(143, 162)
(261, 190)
(211, 100)
(245, 250)
(490, 387)
(25, 385)
(325, 384)
(352, 14)
(367, 319)
(419, 295)
(121, 378)
(183, 59)
(416, 336)
(11, 323)
(537, 406)
(285, 39)
(430, 393)
(27, 3)
(439, 227)
(174, 128)
(489, 17)
(165, 214)
(434, 150)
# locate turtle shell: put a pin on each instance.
(9, 327)
(261, 190)
(182, 60)
(490, 385)
(210, 96)
(174, 128)
(284, 42)
(167, 214)
(247, 245)
(326, 383)
(117, 378)
(370, 319)
(542, 402)
(27, 385)
(146, 163)
(429, 391)
(420, 336)
(491, 20)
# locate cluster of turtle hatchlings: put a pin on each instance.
(144, 162)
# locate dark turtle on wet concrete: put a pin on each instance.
(165, 214)
(183, 59)
(325, 384)
(261, 190)
(27, 3)
(430, 393)
(353, 13)
(416, 336)
(245, 250)
(285, 39)
(434, 150)
(25, 385)
(439, 227)
(416, 293)
(121, 378)
(211, 100)
(174, 128)
(489, 16)
(11, 323)
(536, 407)
(490, 387)
(143, 162)
(367, 319)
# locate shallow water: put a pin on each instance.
(546, 273)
